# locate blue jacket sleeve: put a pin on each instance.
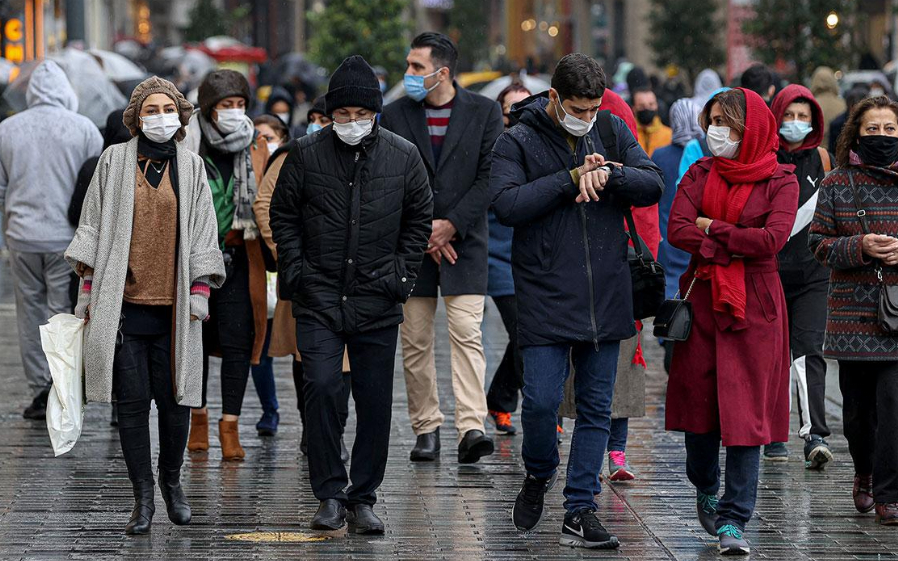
(515, 201)
(691, 154)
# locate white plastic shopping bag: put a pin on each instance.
(272, 285)
(62, 340)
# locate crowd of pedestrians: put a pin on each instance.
(183, 233)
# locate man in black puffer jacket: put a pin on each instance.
(351, 216)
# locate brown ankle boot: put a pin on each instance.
(230, 441)
(199, 431)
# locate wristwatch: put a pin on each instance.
(606, 169)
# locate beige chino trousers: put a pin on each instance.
(468, 363)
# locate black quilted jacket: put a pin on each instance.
(351, 224)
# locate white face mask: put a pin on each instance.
(719, 142)
(573, 125)
(353, 132)
(229, 120)
(285, 117)
(160, 128)
(272, 146)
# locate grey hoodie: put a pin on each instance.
(41, 151)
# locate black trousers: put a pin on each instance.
(870, 415)
(299, 383)
(509, 377)
(141, 373)
(740, 493)
(231, 330)
(806, 304)
(371, 358)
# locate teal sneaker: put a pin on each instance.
(731, 541)
(706, 505)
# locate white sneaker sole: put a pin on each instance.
(575, 541)
(818, 458)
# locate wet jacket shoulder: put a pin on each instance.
(569, 260)
(351, 225)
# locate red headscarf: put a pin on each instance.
(728, 188)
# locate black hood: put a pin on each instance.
(532, 112)
(280, 94)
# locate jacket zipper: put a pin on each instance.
(353, 187)
(592, 294)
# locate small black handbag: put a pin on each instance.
(646, 274)
(887, 311)
(674, 319)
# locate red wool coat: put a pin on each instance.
(736, 379)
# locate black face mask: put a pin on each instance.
(646, 116)
(878, 150)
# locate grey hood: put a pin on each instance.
(706, 84)
(50, 86)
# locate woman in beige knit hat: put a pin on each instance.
(147, 252)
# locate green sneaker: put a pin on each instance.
(706, 505)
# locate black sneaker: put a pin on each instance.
(37, 411)
(816, 453)
(528, 507)
(583, 529)
(776, 452)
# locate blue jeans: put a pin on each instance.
(546, 368)
(741, 490)
(617, 440)
(263, 378)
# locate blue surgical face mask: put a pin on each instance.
(795, 131)
(414, 85)
(313, 127)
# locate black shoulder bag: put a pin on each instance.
(646, 274)
(887, 312)
(673, 321)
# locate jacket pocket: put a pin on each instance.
(764, 293)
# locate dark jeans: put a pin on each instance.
(546, 368)
(870, 416)
(617, 439)
(741, 489)
(141, 373)
(371, 357)
(263, 378)
(509, 376)
(299, 382)
(807, 324)
(230, 330)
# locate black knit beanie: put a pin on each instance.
(317, 107)
(354, 84)
(218, 85)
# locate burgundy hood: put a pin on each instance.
(789, 94)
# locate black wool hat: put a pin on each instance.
(317, 107)
(354, 84)
(218, 85)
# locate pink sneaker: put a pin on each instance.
(618, 468)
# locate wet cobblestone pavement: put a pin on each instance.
(76, 506)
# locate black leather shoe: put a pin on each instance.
(427, 447)
(37, 411)
(344, 452)
(362, 520)
(474, 446)
(331, 516)
(144, 508)
(173, 495)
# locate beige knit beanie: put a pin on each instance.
(145, 89)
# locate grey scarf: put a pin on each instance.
(238, 143)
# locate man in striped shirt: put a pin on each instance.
(455, 131)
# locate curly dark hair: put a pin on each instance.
(851, 131)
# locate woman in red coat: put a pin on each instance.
(729, 381)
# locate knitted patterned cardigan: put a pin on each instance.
(852, 332)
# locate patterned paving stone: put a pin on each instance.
(75, 506)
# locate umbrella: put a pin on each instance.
(185, 67)
(533, 83)
(97, 95)
(294, 66)
(117, 67)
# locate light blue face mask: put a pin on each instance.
(414, 85)
(313, 127)
(795, 131)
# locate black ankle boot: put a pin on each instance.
(173, 495)
(144, 508)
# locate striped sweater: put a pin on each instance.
(835, 239)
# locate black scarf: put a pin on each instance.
(159, 152)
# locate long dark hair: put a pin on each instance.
(852, 129)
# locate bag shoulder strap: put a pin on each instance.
(825, 159)
(861, 213)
